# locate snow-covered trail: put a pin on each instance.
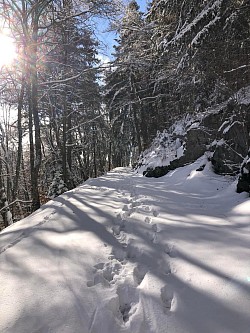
(127, 254)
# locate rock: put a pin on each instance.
(228, 157)
(223, 161)
(196, 143)
(213, 121)
(244, 179)
(163, 170)
(201, 168)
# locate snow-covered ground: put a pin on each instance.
(128, 254)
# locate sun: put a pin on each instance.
(7, 50)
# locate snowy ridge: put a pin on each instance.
(125, 253)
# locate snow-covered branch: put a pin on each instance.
(14, 202)
(236, 69)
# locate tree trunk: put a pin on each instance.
(64, 143)
(35, 149)
(20, 137)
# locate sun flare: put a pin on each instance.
(7, 50)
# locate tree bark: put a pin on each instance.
(35, 147)
(20, 137)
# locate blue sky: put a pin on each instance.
(142, 4)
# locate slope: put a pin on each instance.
(124, 253)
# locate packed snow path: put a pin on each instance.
(123, 253)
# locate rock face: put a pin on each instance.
(244, 179)
(230, 150)
(225, 133)
(196, 143)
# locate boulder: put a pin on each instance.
(228, 157)
(197, 140)
(196, 143)
(213, 120)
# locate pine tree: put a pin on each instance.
(57, 186)
(191, 39)
(125, 87)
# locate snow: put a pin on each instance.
(221, 142)
(243, 96)
(128, 254)
(204, 32)
(225, 124)
(227, 129)
(180, 151)
(245, 170)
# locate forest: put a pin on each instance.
(67, 117)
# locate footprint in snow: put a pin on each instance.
(119, 234)
(125, 309)
(153, 237)
(110, 270)
(170, 251)
(155, 227)
(105, 273)
(155, 213)
(164, 266)
(133, 251)
(166, 269)
(139, 273)
(147, 209)
(167, 297)
(116, 230)
(148, 219)
(120, 221)
(128, 299)
(128, 210)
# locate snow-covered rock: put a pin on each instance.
(223, 130)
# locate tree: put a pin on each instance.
(35, 26)
(124, 87)
(192, 38)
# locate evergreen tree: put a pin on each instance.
(57, 186)
(125, 88)
(192, 38)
